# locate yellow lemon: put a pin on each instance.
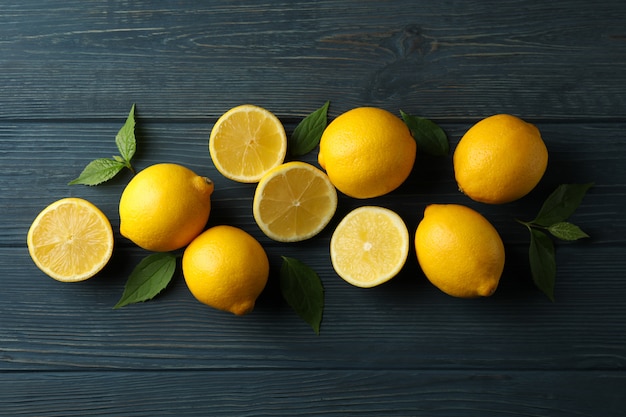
(70, 240)
(246, 142)
(294, 202)
(500, 159)
(459, 251)
(164, 207)
(369, 246)
(226, 268)
(367, 152)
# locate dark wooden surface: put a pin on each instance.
(69, 72)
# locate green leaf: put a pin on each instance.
(98, 171)
(561, 203)
(308, 133)
(566, 231)
(430, 138)
(125, 138)
(302, 288)
(542, 262)
(148, 278)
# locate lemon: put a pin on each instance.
(164, 207)
(367, 152)
(294, 202)
(500, 159)
(369, 246)
(226, 268)
(70, 240)
(246, 142)
(459, 250)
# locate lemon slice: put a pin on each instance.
(246, 142)
(294, 202)
(369, 246)
(70, 240)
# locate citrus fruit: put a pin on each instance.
(500, 159)
(70, 240)
(226, 268)
(369, 246)
(367, 152)
(459, 250)
(164, 207)
(294, 202)
(246, 142)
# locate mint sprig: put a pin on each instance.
(552, 220)
(103, 169)
(148, 279)
(302, 288)
(307, 135)
(430, 138)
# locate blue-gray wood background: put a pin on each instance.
(69, 73)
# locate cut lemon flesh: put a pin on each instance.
(246, 142)
(70, 240)
(369, 246)
(294, 202)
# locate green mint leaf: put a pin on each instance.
(302, 288)
(430, 138)
(308, 133)
(542, 262)
(566, 231)
(561, 203)
(98, 171)
(103, 169)
(148, 278)
(125, 138)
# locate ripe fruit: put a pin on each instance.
(226, 268)
(294, 202)
(367, 152)
(164, 207)
(246, 142)
(459, 251)
(369, 246)
(70, 240)
(500, 159)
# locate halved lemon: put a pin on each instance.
(369, 246)
(70, 240)
(294, 202)
(246, 142)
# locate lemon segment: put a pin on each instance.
(246, 142)
(294, 202)
(70, 240)
(369, 246)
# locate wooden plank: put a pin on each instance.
(68, 75)
(317, 392)
(560, 59)
(37, 160)
(405, 324)
(408, 323)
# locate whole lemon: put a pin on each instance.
(367, 152)
(500, 159)
(164, 207)
(459, 251)
(226, 268)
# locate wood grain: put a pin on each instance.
(560, 59)
(317, 392)
(69, 73)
